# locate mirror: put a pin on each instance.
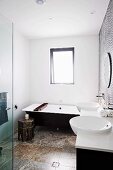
(108, 69)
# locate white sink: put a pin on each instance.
(90, 124)
(88, 106)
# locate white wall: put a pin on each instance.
(86, 70)
(21, 76)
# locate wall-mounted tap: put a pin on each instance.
(101, 95)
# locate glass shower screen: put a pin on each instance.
(5, 94)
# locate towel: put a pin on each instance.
(3, 106)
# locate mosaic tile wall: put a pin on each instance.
(106, 45)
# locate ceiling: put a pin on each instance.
(55, 18)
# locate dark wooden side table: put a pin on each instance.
(25, 129)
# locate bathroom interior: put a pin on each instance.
(72, 128)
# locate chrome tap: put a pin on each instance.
(101, 95)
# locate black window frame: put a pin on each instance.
(52, 50)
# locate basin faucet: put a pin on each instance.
(101, 95)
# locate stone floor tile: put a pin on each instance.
(48, 149)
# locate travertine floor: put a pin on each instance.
(50, 149)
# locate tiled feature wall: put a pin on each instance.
(106, 45)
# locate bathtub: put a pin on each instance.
(53, 115)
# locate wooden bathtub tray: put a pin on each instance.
(41, 107)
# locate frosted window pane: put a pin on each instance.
(62, 67)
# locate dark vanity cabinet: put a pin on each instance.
(93, 159)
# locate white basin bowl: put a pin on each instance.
(88, 106)
(90, 124)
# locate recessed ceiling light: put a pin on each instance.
(92, 12)
(40, 2)
(50, 18)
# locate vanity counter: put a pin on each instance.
(100, 142)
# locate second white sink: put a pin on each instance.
(90, 124)
(88, 106)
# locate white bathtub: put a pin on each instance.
(54, 108)
(54, 115)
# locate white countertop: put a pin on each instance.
(100, 142)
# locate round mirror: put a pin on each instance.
(108, 69)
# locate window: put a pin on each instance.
(62, 65)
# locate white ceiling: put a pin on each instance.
(55, 17)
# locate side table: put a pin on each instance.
(25, 129)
